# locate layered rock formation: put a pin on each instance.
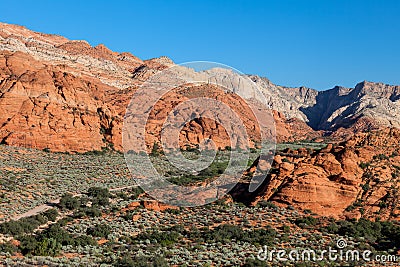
(359, 177)
(375, 104)
(69, 96)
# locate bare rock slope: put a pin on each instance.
(353, 179)
(70, 96)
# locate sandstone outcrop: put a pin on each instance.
(356, 178)
(70, 96)
(66, 95)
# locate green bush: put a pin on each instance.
(100, 196)
(51, 214)
(215, 169)
(92, 211)
(267, 204)
(98, 192)
(47, 247)
(27, 244)
(56, 232)
(135, 192)
(227, 233)
(7, 247)
(100, 230)
(306, 221)
(253, 263)
(383, 235)
(23, 225)
(68, 201)
(364, 165)
(166, 238)
(381, 157)
(50, 241)
(128, 261)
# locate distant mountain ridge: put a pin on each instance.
(54, 92)
(338, 107)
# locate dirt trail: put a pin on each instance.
(50, 204)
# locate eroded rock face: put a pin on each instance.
(69, 96)
(44, 107)
(360, 177)
(366, 107)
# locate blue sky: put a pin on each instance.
(313, 43)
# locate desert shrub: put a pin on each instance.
(215, 169)
(125, 261)
(141, 261)
(51, 214)
(101, 201)
(122, 195)
(96, 152)
(100, 196)
(363, 228)
(164, 238)
(78, 214)
(100, 230)
(82, 212)
(68, 201)
(40, 247)
(136, 191)
(98, 192)
(128, 215)
(92, 211)
(262, 236)
(179, 228)
(382, 204)
(23, 225)
(64, 221)
(364, 165)
(332, 228)
(306, 221)
(11, 228)
(84, 200)
(65, 238)
(266, 204)
(286, 228)
(381, 157)
(8, 247)
(56, 232)
(27, 244)
(39, 218)
(173, 211)
(84, 240)
(383, 235)
(47, 247)
(365, 187)
(253, 263)
(390, 235)
(50, 241)
(228, 232)
(155, 151)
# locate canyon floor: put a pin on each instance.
(101, 218)
(67, 197)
